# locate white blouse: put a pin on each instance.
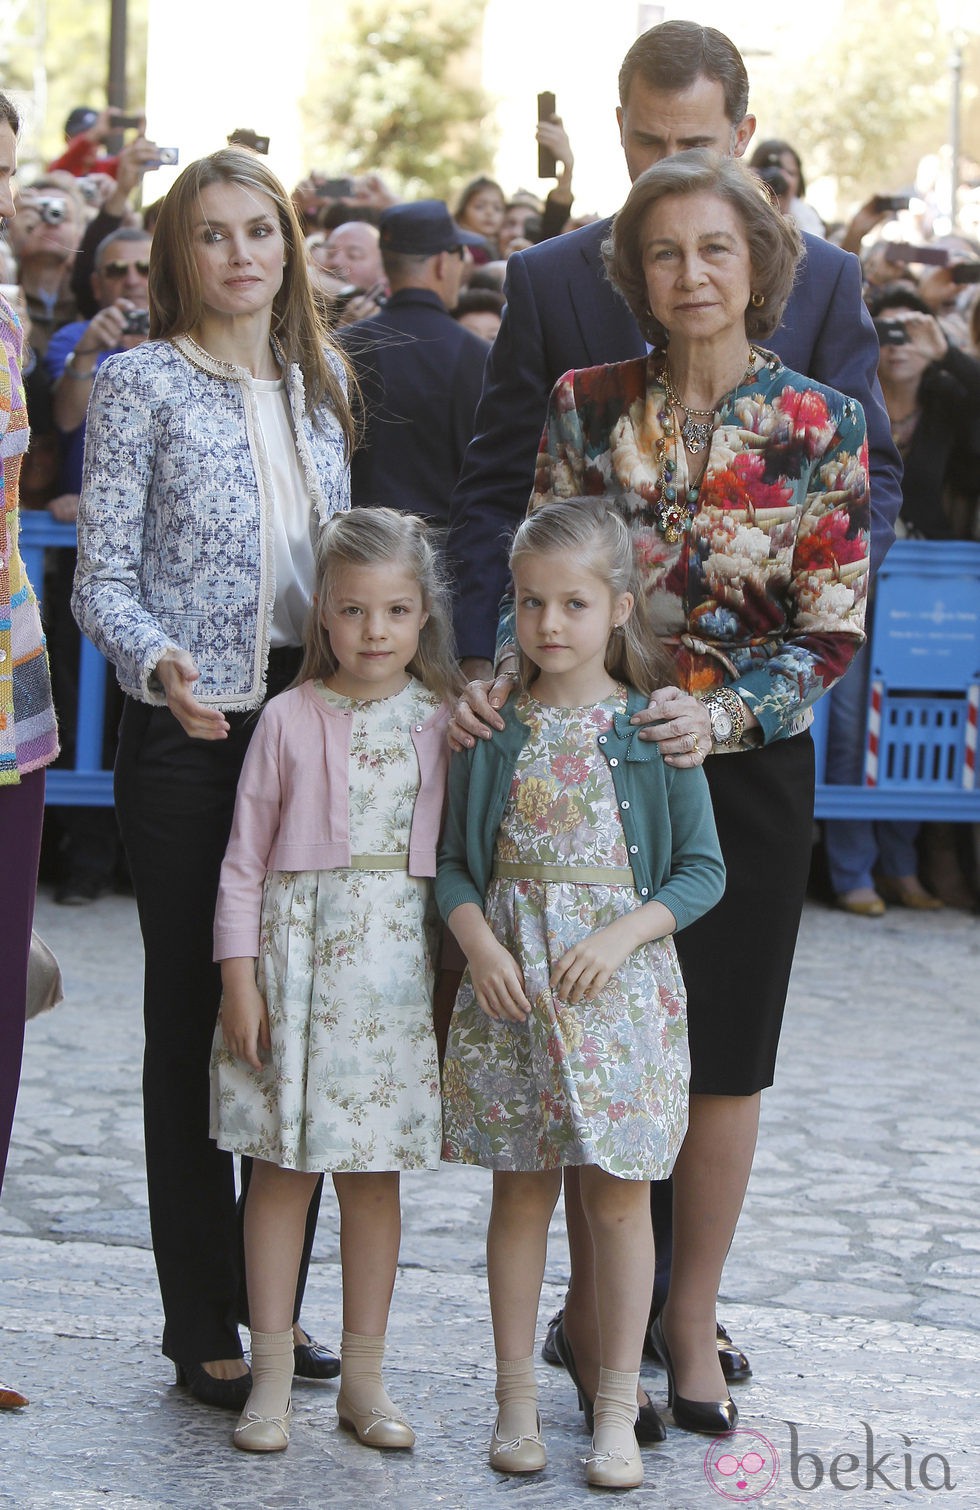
(293, 517)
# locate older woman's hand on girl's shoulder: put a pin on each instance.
(177, 672)
(475, 715)
(679, 724)
(244, 1016)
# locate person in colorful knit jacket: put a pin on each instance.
(28, 732)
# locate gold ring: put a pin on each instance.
(695, 747)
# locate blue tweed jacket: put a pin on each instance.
(175, 545)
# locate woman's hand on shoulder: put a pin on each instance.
(475, 715)
(679, 724)
(177, 672)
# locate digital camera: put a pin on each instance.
(52, 209)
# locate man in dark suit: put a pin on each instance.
(681, 86)
(419, 371)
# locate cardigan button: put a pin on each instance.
(614, 761)
(418, 728)
(602, 739)
(634, 849)
(622, 804)
(644, 891)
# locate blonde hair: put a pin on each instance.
(592, 530)
(380, 537)
(298, 320)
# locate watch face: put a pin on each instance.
(721, 724)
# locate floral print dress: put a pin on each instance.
(346, 967)
(601, 1082)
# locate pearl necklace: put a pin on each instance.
(672, 515)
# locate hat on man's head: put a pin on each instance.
(423, 228)
(81, 119)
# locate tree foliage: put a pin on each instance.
(399, 99)
(867, 107)
(58, 54)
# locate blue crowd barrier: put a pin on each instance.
(921, 732)
(925, 688)
(88, 784)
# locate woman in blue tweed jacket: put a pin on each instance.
(214, 454)
(28, 736)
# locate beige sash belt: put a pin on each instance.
(589, 875)
(378, 862)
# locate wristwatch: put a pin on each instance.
(70, 370)
(727, 714)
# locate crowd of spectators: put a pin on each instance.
(76, 256)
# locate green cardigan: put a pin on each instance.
(666, 816)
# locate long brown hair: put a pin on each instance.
(378, 537)
(298, 324)
(592, 530)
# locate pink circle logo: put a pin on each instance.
(742, 1466)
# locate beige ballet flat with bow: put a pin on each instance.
(518, 1454)
(263, 1433)
(375, 1427)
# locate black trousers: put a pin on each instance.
(175, 799)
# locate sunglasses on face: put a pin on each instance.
(120, 269)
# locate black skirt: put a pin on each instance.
(737, 958)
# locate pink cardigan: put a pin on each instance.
(292, 811)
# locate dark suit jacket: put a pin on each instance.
(563, 313)
(420, 373)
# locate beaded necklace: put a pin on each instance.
(673, 515)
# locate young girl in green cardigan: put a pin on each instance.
(571, 854)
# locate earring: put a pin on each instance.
(758, 300)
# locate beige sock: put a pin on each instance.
(272, 1374)
(517, 1399)
(361, 1358)
(615, 1412)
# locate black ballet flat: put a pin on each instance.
(225, 1394)
(311, 1360)
(649, 1425)
(734, 1364)
(715, 1417)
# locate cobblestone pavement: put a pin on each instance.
(854, 1281)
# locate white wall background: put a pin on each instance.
(214, 67)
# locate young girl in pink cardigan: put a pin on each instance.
(324, 1056)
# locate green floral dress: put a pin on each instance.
(346, 967)
(602, 1082)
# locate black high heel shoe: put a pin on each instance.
(225, 1394)
(712, 1416)
(649, 1425)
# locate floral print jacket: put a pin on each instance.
(765, 591)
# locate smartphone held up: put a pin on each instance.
(547, 162)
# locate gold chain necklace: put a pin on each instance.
(697, 431)
(673, 516)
